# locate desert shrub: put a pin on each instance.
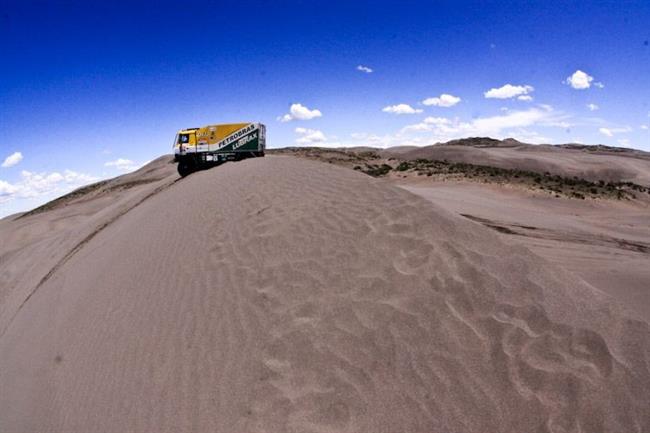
(378, 171)
(403, 166)
(369, 154)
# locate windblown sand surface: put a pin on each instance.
(284, 295)
(605, 242)
(33, 246)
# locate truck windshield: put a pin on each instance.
(183, 138)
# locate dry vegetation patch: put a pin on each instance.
(372, 163)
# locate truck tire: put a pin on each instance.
(186, 166)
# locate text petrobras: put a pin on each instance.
(236, 135)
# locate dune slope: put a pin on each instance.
(284, 295)
(38, 242)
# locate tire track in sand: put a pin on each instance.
(81, 244)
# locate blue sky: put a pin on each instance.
(91, 90)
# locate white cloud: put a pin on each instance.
(6, 190)
(300, 112)
(401, 109)
(437, 121)
(527, 136)
(418, 127)
(315, 137)
(526, 98)
(581, 80)
(592, 107)
(511, 123)
(644, 127)
(309, 136)
(515, 119)
(123, 165)
(12, 160)
(611, 131)
(369, 138)
(624, 142)
(559, 124)
(38, 184)
(365, 69)
(428, 124)
(519, 124)
(509, 91)
(444, 100)
(383, 141)
(599, 85)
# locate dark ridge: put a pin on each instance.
(484, 142)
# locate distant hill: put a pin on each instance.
(597, 162)
(485, 142)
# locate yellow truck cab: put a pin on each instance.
(197, 148)
(185, 137)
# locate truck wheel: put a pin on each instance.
(185, 167)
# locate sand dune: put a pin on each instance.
(605, 242)
(588, 162)
(40, 240)
(285, 295)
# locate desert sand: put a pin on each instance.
(588, 162)
(599, 234)
(605, 242)
(284, 295)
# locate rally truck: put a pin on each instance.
(198, 148)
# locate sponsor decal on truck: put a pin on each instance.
(244, 140)
(235, 135)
